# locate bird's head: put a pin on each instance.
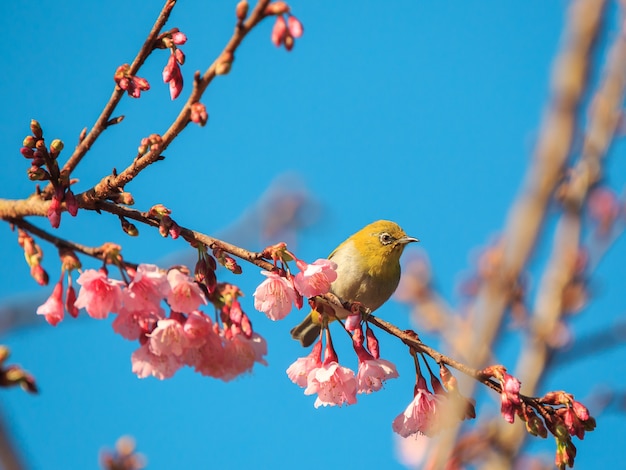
(381, 242)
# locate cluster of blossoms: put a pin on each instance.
(222, 348)
(130, 83)
(44, 167)
(171, 73)
(284, 31)
(281, 291)
(335, 384)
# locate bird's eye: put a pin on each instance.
(385, 238)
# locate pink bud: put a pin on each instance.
(372, 342)
(279, 31)
(179, 38)
(71, 203)
(27, 152)
(180, 56)
(70, 298)
(295, 27)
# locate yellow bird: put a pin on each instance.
(368, 272)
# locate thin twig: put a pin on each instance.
(102, 122)
(112, 183)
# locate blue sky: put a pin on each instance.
(424, 113)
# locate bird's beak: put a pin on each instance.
(406, 240)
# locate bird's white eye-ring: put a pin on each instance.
(385, 238)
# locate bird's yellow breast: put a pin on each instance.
(364, 276)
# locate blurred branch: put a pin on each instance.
(9, 458)
(592, 343)
(528, 211)
(604, 116)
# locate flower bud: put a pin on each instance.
(39, 274)
(71, 203)
(159, 210)
(276, 8)
(70, 298)
(36, 173)
(179, 38)
(224, 63)
(295, 27)
(241, 10)
(4, 353)
(27, 152)
(129, 228)
(55, 147)
(29, 141)
(35, 128)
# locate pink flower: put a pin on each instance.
(334, 385)
(148, 287)
(168, 338)
(185, 295)
(274, 296)
(52, 309)
(99, 295)
(298, 372)
(198, 328)
(241, 353)
(208, 359)
(419, 416)
(372, 373)
(510, 397)
(173, 76)
(133, 325)
(315, 279)
(146, 363)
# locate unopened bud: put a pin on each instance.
(35, 128)
(4, 353)
(29, 141)
(55, 147)
(224, 63)
(241, 10)
(276, 8)
(159, 210)
(71, 203)
(36, 173)
(27, 152)
(129, 228)
(231, 265)
(289, 42)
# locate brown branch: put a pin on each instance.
(113, 183)
(103, 120)
(604, 115)
(94, 252)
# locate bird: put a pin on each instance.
(368, 272)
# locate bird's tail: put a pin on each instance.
(307, 331)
